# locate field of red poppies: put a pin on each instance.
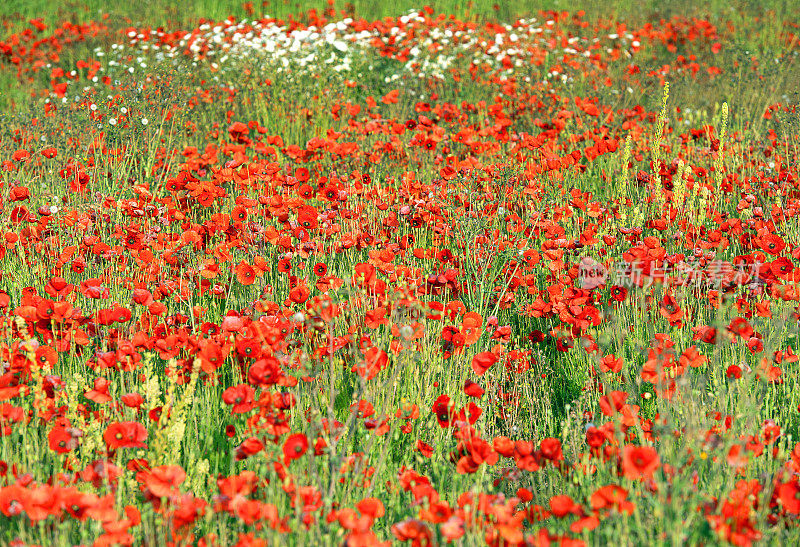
(494, 276)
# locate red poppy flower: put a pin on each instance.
(611, 363)
(163, 481)
(503, 446)
(789, 495)
(472, 389)
(100, 393)
(285, 265)
(142, 297)
(46, 356)
(307, 217)
(536, 336)
(734, 372)
(264, 372)
(425, 449)
(121, 315)
(241, 397)
(305, 191)
(705, 333)
(63, 439)
(443, 410)
(611, 496)
(232, 322)
(249, 347)
(320, 269)
(618, 293)
(588, 522)
(210, 356)
(155, 413)
(781, 267)
(483, 362)
(294, 447)
(132, 400)
(670, 309)
(245, 274)
(20, 155)
(125, 435)
(613, 402)
(550, 449)
(19, 214)
(413, 530)
(249, 447)
(239, 214)
(563, 505)
(408, 411)
(364, 275)
(471, 327)
(94, 288)
(692, 357)
(639, 461)
(57, 287)
(755, 345)
(301, 174)
(299, 294)
(772, 244)
(238, 130)
(595, 437)
(740, 327)
(371, 507)
(375, 360)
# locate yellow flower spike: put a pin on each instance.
(719, 160)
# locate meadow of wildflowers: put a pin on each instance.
(332, 276)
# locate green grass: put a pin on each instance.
(163, 13)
